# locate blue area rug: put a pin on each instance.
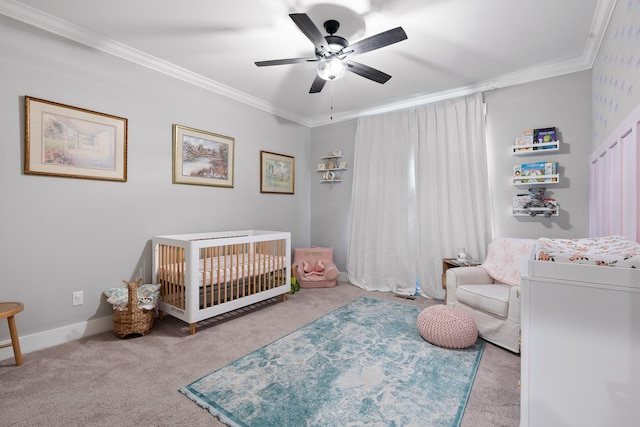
(364, 364)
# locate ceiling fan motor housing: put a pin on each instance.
(336, 43)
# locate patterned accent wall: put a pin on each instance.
(616, 71)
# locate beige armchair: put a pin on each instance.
(490, 292)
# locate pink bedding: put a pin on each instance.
(610, 251)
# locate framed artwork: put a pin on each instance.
(277, 173)
(66, 141)
(202, 158)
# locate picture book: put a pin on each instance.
(544, 135)
(536, 172)
(523, 144)
(521, 200)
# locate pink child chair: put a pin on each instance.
(315, 267)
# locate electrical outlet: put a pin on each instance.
(77, 298)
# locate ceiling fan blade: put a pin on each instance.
(310, 30)
(368, 72)
(376, 42)
(317, 85)
(285, 61)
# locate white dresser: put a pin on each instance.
(580, 349)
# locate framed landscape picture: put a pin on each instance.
(202, 158)
(66, 141)
(277, 173)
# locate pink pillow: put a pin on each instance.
(506, 258)
(307, 267)
(313, 270)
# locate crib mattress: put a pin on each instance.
(610, 251)
(223, 267)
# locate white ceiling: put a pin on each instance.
(454, 47)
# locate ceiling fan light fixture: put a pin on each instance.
(332, 68)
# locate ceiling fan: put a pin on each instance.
(333, 52)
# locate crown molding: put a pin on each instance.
(506, 80)
(62, 28)
(601, 20)
(602, 17)
(54, 25)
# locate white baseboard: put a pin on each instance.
(53, 337)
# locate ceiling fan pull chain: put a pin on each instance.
(331, 102)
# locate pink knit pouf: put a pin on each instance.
(447, 327)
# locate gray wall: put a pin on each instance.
(331, 205)
(61, 235)
(563, 102)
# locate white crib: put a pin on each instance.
(203, 275)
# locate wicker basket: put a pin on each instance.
(133, 320)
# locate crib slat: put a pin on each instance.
(181, 294)
(218, 250)
(224, 273)
(232, 266)
(236, 264)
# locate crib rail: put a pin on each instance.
(227, 272)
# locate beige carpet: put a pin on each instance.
(104, 381)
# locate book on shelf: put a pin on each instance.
(523, 144)
(536, 172)
(532, 140)
(521, 200)
(544, 135)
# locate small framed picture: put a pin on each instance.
(277, 173)
(202, 158)
(321, 166)
(343, 165)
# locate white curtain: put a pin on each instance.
(420, 191)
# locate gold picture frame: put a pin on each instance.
(202, 158)
(71, 142)
(277, 173)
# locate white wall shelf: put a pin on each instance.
(535, 149)
(536, 180)
(535, 174)
(538, 211)
(331, 167)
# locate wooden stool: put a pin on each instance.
(8, 310)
